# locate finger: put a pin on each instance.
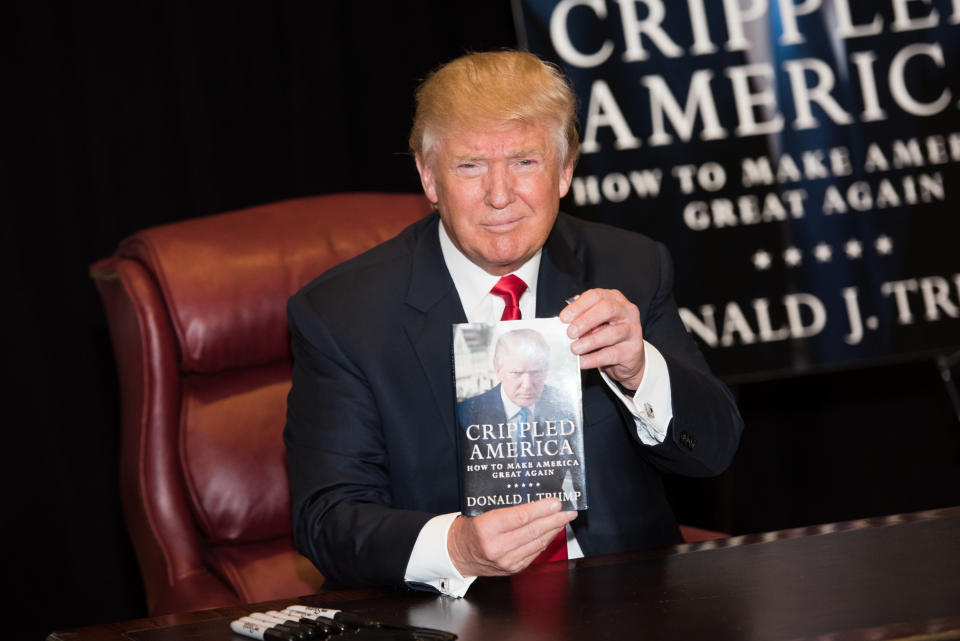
(604, 358)
(542, 529)
(523, 556)
(514, 518)
(504, 529)
(609, 308)
(521, 552)
(578, 312)
(588, 311)
(609, 335)
(577, 304)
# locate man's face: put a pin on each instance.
(498, 191)
(522, 378)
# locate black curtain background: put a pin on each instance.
(122, 116)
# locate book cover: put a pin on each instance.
(519, 415)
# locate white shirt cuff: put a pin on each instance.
(430, 562)
(651, 405)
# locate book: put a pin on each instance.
(519, 415)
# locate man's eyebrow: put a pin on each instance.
(526, 151)
(467, 158)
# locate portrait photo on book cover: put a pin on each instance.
(519, 414)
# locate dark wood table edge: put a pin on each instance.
(947, 629)
(753, 539)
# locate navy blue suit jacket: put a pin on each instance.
(371, 426)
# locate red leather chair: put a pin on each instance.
(196, 311)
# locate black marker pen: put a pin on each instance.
(323, 626)
(321, 615)
(314, 630)
(259, 630)
(356, 624)
(351, 621)
(318, 629)
(319, 612)
(297, 631)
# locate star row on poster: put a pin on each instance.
(518, 485)
(853, 249)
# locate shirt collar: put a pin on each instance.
(473, 283)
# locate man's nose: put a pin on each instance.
(499, 187)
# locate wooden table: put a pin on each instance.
(877, 579)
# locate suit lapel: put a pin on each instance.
(436, 306)
(561, 272)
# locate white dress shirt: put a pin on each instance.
(650, 406)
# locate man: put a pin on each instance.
(370, 435)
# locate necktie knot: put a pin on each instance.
(510, 288)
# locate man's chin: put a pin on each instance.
(501, 259)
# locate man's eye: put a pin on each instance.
(469, 169)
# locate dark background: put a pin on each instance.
(119, 117)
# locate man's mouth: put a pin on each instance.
(501, 226)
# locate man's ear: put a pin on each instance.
(426, 179)
(566, 176)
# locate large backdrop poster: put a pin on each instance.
(800, 160)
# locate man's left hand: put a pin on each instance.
(608, 335)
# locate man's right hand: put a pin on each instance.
(505, 540)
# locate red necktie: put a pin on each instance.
(556, 550)
(510, 288)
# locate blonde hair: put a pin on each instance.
(494, 88)
(523, 343)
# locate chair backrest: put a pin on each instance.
(196, 311)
